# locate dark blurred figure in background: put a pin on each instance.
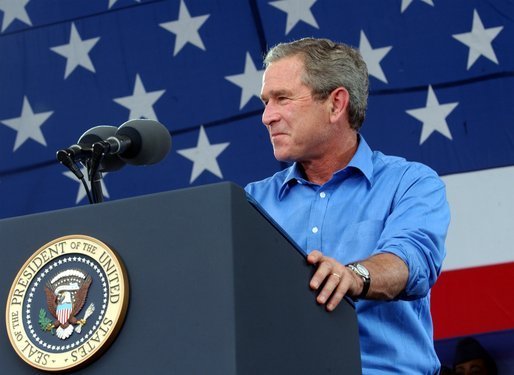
(472, 358)
(445, 370)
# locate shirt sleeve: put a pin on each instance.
(416, 228)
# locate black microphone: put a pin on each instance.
(138, 142)
(82, 151)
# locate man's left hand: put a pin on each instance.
(334, 278)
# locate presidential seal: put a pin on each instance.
(67, 303)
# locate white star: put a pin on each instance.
(112, 2)
(250, 81)
(185, 28)
(433, 116)
(372, 57)
(204, 156)
(296, 11)
(479, 40)
(81, 194)
(406, 3)
(28, 125)
(140, 103)
(76, 52)
(14, 9)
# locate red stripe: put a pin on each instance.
(473, 300)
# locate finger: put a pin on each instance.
(324, 269)
(332, 282)
(339, 293)
(314, 257)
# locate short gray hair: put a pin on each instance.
(329, 65)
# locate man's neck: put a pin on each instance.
(321, 170)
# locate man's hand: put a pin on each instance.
(389, 275)
(335, 279)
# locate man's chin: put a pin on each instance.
(283, 157)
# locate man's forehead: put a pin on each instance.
(282, 78)
(289, 63)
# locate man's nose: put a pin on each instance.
(269, 115)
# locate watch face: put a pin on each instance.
(363, 270)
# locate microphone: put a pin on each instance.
(107, 148)
(83, 150)
(137, 142)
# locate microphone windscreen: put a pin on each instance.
(150, 141)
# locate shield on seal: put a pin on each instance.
(63, 311)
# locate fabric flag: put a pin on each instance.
(442, 89)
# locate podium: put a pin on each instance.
(215, 288)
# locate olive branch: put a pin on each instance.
(45, 323)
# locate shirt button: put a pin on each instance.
(322, 194)
(315, 229)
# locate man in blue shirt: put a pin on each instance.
(373, 225)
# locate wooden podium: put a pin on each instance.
(215, 288)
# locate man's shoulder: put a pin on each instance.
(404, 175)
(385, 164)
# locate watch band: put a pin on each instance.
(363, 273)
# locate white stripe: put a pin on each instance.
(482, 225)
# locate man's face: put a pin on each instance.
(297, 123)
(473, 367)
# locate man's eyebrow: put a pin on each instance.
(275, 93)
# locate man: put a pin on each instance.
(373, 225)
(472, 358)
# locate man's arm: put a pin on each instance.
(408, 257)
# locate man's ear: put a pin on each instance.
(339, 102)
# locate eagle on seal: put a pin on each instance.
(66, 294)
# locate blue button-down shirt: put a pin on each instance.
(377, 204)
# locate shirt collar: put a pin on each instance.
(293, 176)
(361, 160)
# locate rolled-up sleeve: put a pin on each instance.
(416, 228)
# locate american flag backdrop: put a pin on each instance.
(442, 93)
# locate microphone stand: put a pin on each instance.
(95, 176)
(96, 187)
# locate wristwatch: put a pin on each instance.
(362, 272)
